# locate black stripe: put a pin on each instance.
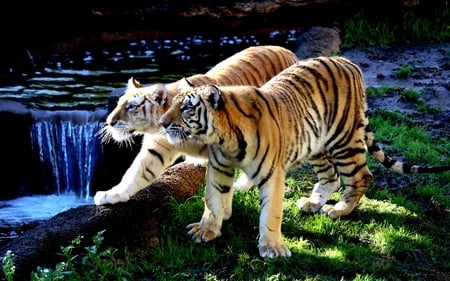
(232, 97)
(260, 163)
(259, 94)
(335, 107)
(267, 177)
(349, 153)
(224, 188)
(157, 154)
(242, 144)
(258, 142)
(374, 148)
(229, 174)
(218, 166)
(324, 169)
(354, 172)
(205, 117)
(388, 162)
(150, 172)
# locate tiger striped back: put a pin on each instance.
(139, 109)
(252, 66)
(314, 111)
(247, 71)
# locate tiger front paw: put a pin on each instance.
(201, 232)
(338, 210)
(110, 197)
(309, 205)
(273, 250)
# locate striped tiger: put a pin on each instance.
(314, 111)
(139, 109)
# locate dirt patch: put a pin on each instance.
(429, 65)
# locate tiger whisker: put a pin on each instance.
(106, 135)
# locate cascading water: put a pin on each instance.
(68, 150)
(71, 149)
(67, 144)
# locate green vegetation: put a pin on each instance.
(363, 30)
(404, 94)
(399, 231)
(95, 264)
(403, 72)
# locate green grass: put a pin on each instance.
(363, 30)
(403, 72)
(403, 94)
(392, 235)
(398, 232)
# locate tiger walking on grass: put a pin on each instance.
(314, 111)
(139, 109)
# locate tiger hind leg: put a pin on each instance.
(356, 178)
(327, 184)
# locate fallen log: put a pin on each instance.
(132, 225)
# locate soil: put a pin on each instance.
(430, 77)
(430, 65)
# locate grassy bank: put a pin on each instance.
(364, 29)
(400, 230)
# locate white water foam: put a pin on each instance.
(27, 209)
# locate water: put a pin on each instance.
(84, 80)
(78, 85)
(27, 209)
(70, 148)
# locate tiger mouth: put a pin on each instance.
(176, 134)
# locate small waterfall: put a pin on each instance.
(67, 145)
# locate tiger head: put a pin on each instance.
(137, 112)
(191, 114)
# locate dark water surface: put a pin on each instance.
(78, 84)
(85, 79)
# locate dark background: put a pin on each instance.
(32, 30)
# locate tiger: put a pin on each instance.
(313, 112)
(139, 109)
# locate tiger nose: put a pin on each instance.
(163, 124)
(110, 123)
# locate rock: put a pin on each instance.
(318, 41)
(132, 225)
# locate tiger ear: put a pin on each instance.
(133, 83)
(215, 97)
(192, 85)
(158, 94)
(185, 85)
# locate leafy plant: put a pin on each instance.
(8, 265)
(403, 72)
(95, 264)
